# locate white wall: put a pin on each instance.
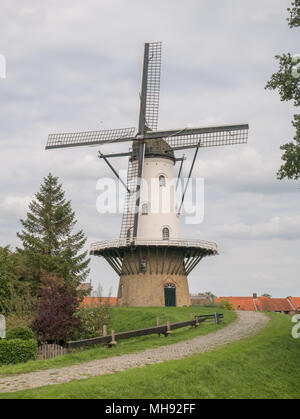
(161, 200)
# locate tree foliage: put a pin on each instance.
(48, 240)
(287, 83)
(226, 305)
(6, 278)
(294, 18)
(57, 304)
(15, 296)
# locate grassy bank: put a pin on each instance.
(129, 318)
(263, 366)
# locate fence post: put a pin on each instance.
(104, 330)
(168, 332)
(158, 324)
(2, 327)
(113, 339)
(197, 321)
(217, 318)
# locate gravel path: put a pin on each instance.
(248, 323)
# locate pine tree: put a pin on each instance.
(48, 242)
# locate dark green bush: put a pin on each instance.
(20, 332)
(17, 351)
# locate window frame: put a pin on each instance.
(166, 236)
(162, 181)
(145, 205)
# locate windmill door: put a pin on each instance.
(170, 295)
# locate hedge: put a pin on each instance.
(20, 332)
(17, 351)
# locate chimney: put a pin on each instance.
(255, 296)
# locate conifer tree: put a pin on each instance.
(48, 242)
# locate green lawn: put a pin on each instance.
(263, 366)
(129, 318)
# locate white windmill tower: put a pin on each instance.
(151, 259)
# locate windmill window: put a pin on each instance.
(162, 180)
(145, 209)
(143, 265)
(166, 233)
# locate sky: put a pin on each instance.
(75, 66)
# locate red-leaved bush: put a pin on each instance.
(55, 321)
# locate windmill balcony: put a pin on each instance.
(98, 247)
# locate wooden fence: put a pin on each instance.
(48, 351)
(159, 329)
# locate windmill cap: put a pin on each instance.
(155, 148)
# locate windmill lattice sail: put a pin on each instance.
(153, 85)
(130, 202)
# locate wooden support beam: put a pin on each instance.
(149, 259)
(108, 260)
(198, 259)
(164, 259)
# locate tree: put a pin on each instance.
(267, 295)
(48, 242)
(294, 18)
(287, 82)
(226, 305)
(57, 304)
(6, 278)
(15, 297)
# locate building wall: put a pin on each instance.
(161, 200)
(147, 288)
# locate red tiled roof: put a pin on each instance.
(263, 303)
(295, 302)
(273, 304)
(239, 303)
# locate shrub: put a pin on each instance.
(17, 351)
(226, 305)
(20, 332)
(57, 304)
(16, 320)
(92, 321)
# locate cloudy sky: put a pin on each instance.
(74, 65)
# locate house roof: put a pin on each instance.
(263, 303)
(273, 304)
(295, 301)
(239, 303)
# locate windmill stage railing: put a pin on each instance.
(117, 243)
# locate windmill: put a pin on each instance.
(150, 258)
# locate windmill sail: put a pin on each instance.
(208, 137)
(127, 228)
(89, 138)
(153, 85)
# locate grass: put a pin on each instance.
(129, 318)
(265, 366)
